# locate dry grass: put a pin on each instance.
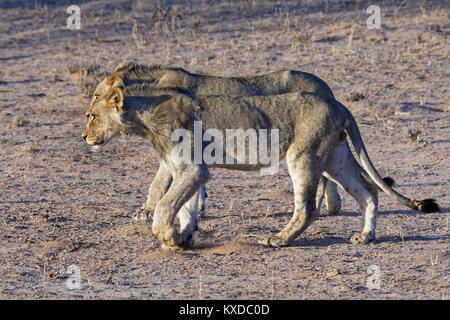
(413, 134)
(138, 38)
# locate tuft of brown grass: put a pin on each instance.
(138, 40)
(196, 27)
(337, 27)
(350, 38)
(302, 37)
(413, 134)
(354, 96)
(18, 122)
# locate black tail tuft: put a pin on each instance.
(430, 205)
(427, 205)
(390, 182)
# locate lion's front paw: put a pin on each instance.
(273, 241)
(186, 244)
(362, 238)
(142, 214)
(172, 240)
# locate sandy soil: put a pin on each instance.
(63, 205)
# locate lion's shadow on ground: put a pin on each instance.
(395, 212)
(334, 240)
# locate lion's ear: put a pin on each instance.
(114, 99)
(115, 81)
(121, 66)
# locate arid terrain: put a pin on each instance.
(64, 208)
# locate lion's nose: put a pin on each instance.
(84, 136)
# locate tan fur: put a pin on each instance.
(310, 131)
(114, 80)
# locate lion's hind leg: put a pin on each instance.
(305, 178)
(332, 198)
(320, 194)
(327, 190)
(343, 169)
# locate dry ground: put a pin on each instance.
(61, 204)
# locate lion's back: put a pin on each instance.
(285, 81)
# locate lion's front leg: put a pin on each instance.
(188, 178)
(156, 191)
(188, 216)
(323, 182)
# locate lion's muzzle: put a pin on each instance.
(93, 141)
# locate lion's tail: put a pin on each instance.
(427, 205)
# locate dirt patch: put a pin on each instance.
(162, 254)
(132, 230)
(277, 195)
(239, 248)
(53, 247)
(314, 274)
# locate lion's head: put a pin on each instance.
(104, 112)
(112, 81)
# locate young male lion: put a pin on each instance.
(141, 80)
(312, 136)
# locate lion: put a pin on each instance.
(312, 134)
(90, 76)
(141, 79)
(87, 77)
